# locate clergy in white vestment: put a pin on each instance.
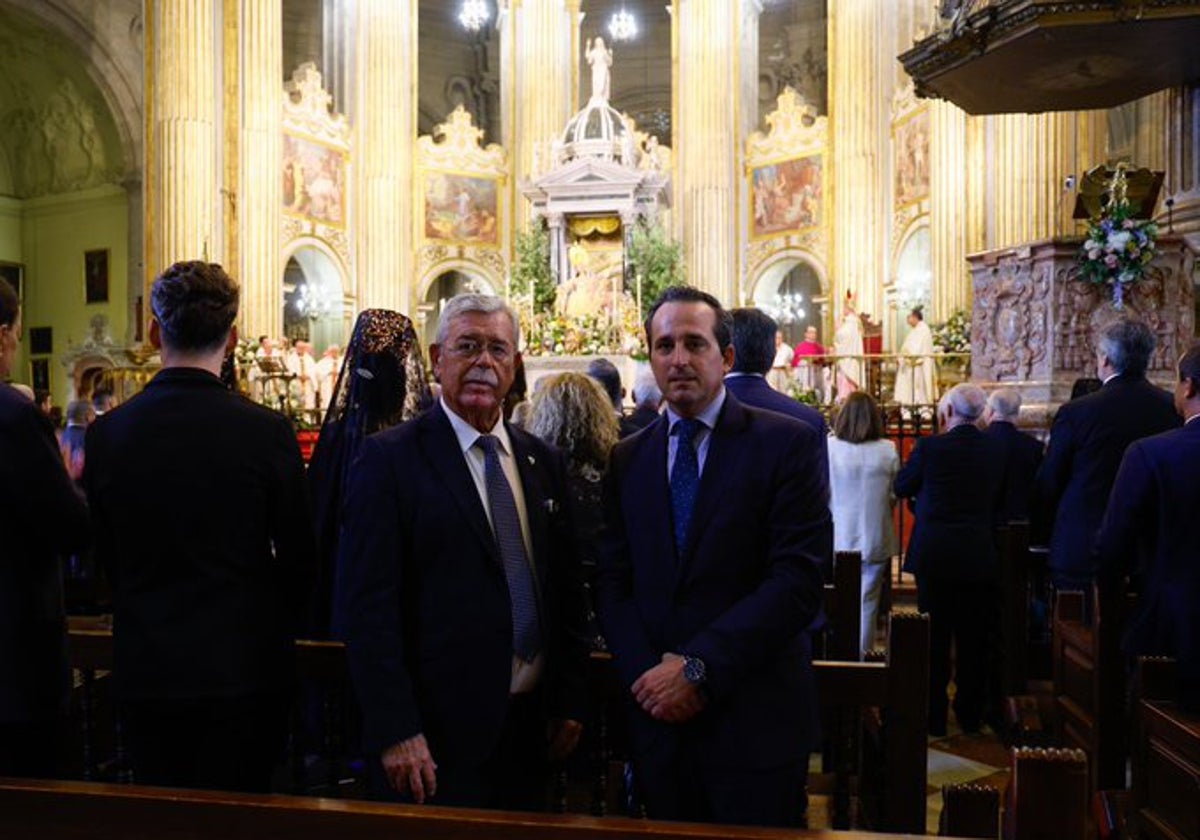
(915, 369)
(848, 347)
(781, 368)
(328, 367)
(301, 363)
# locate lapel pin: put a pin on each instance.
(551, 506)
(532, 460)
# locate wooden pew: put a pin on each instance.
(1047, 795)
(1165, 795)
(840, 642)
(1089, 684)
(970, 810)
(897, 687)
(55, 810)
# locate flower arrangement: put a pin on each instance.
(954, 335)
(1118, 247)
(550, 333)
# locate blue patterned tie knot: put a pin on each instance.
(506, 524)
(685, 478)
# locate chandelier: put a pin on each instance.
(623, 26)
(786, 308)
(474, 14)
(315, 300)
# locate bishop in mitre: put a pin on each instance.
(916, 374)
(848, 347)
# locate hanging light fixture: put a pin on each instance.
(623, 26)
(474, 14)
(786, 308)
(314, 300)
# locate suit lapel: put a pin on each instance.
(647, 478)
(537, 495)
(440, 447)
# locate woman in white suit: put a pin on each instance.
(862, 466)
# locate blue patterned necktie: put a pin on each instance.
(685, 478)
(507, 526)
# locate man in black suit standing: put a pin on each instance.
(717, 519)
(606, 373)
(957, 481)
(459, 593)
(1022, 452)
(41, 515)
(1149, 533)
(1087, 441)
(202, 522)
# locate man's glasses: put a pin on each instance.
(469, 349)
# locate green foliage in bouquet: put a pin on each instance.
(954, 336)
(531, 269)
(656, 259)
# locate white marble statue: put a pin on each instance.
(600, 58)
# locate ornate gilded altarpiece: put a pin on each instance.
(316, 166)
(786, 188)
(460, 190)
(910, 165)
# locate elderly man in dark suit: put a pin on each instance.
(1087, 441)
(717, 517)
(202, 521)
(957, 481)
(1150, 534)
(41, 515)
(458, 592)
(1022, 452)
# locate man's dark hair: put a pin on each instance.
(722, 325)
(195, 303)
(606, 373)
(9, 304)
(101, 397)
(917, 313)
(1128, 345)
(753, 340)
(1189, 366)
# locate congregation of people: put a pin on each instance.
(471, 563)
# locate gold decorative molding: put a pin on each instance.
(308, 108)
(456, 146)
(795, 129)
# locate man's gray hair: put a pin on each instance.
(646, 391)
(1005, 403)
(1128, 345)
(967, 400)
(483, 304)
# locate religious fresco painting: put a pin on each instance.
(461, 208)
(314, 179)
(910, 149)
(786, 196)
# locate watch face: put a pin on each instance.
(693, 670)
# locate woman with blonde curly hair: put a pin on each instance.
(572, 413)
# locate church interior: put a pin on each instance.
(821, 160)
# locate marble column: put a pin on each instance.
(386, 129)
(707, 142)
(260, 188)
(182, 189)
(948, 209)
(1182, 186)
(1031, 156)
(543, 74)
(858, 119)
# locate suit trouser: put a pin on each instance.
(688, 787)
(224, 743)
(512, 778)
(963, 612)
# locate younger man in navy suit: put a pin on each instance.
(717, 518)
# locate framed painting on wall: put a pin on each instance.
(910, 149)
(95, 276)
(786, 196)
(460, 208)
(14, 273)
(314, 179)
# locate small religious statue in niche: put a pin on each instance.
(95, 276)
(600, 58)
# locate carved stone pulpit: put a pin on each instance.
(1034, 325)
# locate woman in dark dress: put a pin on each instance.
(381, 384)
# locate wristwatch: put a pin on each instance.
(694, 670)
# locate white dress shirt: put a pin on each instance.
(524, 674)
(708, 421)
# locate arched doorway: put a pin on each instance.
(314, 307)
(914, 281)
(445, 286)
(790, 291)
